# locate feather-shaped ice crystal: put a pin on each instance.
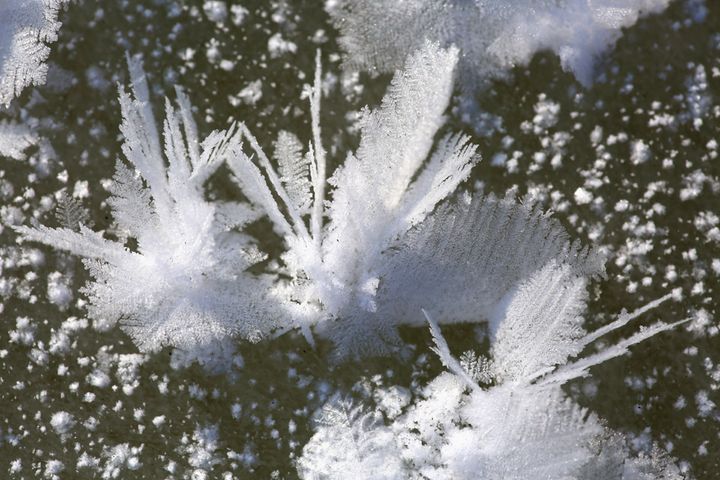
(389, 242)
(25, 28)
(185, 284)
(492, 35)
(521, 426)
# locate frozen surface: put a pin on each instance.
(627, 165)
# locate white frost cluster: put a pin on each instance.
(337, 251)
(25, 28)
(493, 36)
(62, 422)
(184, 284)
(385, 240)
(504, 417)
(390, 244)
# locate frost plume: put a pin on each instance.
(392, 241)
(183, 285)
(522, 426)
(25, 28)
(336, 249)
(492, 36)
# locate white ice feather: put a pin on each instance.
(514, 429)
(492, 36)
(15, 139)
(378, 194)
(185, 285)
(26, 27)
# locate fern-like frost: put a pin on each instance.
(336, 250)
(26, 26)
(523, 426)
(393, 239)
(492, 36)
(350, 440)
(184, 285)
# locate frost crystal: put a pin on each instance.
(492, 36)
(521, 427)
(25, 27)
(378, 195)
(467, 259)
(62, 422)
(15, 139)
(350, 441)
(183, 284)
(387, 245)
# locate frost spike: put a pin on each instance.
(191, 135)
(175, 151)
(85, 242)
(318, 154)
(294, 170)
(623, 319)
(253, 184)
(277, 184)
(449, 165)
(142, 144)
(443, 351)
(580, 367)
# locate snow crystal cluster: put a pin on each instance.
(492, 36)
(180, 285)
(387, 246)
(499, 417)
(25, 28)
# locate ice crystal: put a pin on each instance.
(365, 446)
(379, 193)
(71, 214)
(467, 259)
(492, 36)
(26, 26)
(629, 166)
(183, 284)
(15, 139)
(521, 427)
(388, 244)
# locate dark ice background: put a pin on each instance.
(655, 394)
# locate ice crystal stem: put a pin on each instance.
(623, 319)
(443, 351)
(300, 227)
(318, 155)
(580, 367)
